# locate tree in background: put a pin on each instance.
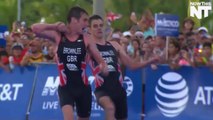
(177, 7)
(125, 7)
(56, 10)
(34, 10)
(8, 9)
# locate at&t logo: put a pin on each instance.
(128, 85)
(171, 94)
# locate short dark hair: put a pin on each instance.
(75, 12)
(189, 34)
(175, 43)
(207, 44)
(94, 17)
(136, 40)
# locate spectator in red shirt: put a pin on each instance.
(16, 53)
(4, 58)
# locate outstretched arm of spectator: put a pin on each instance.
(127, 61)
(133, 18)
(14, 27)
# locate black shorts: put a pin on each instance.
(118, 97)
(82, 98)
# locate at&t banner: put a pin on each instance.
(183, 94)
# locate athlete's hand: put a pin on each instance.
(61, 27)
(154, 60)
(104, 69)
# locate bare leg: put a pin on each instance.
(108, 106)
(79, 118)
(68, 112)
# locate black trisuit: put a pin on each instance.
(111, 85)
(74, 88)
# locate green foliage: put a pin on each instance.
(56, 10)
(177, 7)
(125, 7)
(7, 8)
(33, 10)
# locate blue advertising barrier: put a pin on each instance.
(166, 25)
(45, 105)
(133, 85)
(15, 92)
(183, 94)
(3, 29)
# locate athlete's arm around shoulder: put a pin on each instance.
(93, 51)
(126, 60)
(49, 30)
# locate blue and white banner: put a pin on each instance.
(166, 25)
(133, 85)
(45, 104)
(3, 32)
(15, 92)
(183, 94)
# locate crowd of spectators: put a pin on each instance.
(193, 46)
(23, 48)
